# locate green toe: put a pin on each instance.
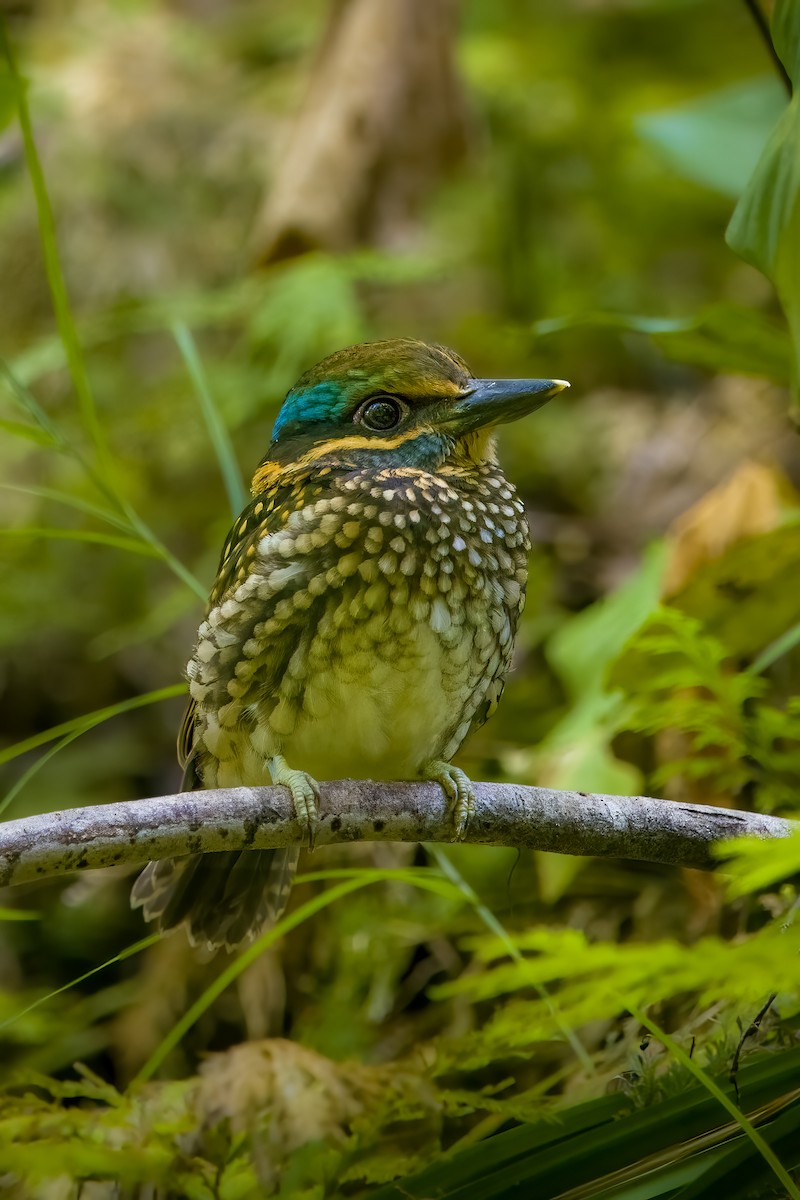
(304, 791)
(457, 786)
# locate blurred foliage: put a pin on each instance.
(478, 1032)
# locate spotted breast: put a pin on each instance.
(384, 610)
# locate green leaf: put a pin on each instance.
(725, 1100)
(723, 337)
(765, 227)
(583, 648)
(576, 753)
(730, 339)
(606, 1150)
(19, 914)
(716, 139)
(753, 864)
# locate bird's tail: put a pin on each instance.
(223, 899)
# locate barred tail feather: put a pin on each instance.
(223, 899)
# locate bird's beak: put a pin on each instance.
(495, 401)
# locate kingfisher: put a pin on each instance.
(363, 617)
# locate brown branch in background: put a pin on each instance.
(383, 118)
(632, 827)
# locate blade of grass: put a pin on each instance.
(28, 403)
(106, 488)
(425, 878)
(35, 768)
(28, 433)
(782, 645)
(52, 261)
(739, 1173)
(66, 322)
(223, 448)
(746, 1126)
(175, 564)
(490, 920)
(132, 545)
(202, 308)
(155, 622)
(232, 972)
(128, 952)
(93, 510)
(89, 721)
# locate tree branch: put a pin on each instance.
(633, 827)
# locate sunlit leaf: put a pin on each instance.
(753, 864)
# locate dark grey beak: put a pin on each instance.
(495, 401)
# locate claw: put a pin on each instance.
(457, 786)
(304, 792)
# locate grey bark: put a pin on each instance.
(632, 827)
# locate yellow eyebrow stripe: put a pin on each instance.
(356, 442)
(271, 472)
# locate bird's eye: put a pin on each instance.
(381, 412)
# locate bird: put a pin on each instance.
(363, 616)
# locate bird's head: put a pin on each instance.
(394, 403)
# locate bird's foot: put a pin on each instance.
(457, 786)
(304, 791)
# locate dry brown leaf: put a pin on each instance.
(283, 1095)
(305, 1096)
(749, 503)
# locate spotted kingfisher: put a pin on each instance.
(363, 617)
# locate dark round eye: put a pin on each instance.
(381, 412)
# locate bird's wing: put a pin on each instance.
(496, 682)
(186, 758)
(266, 513)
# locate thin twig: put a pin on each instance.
(751, 1031)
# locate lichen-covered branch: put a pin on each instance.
(634, 827)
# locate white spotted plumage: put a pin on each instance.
(396, 665)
